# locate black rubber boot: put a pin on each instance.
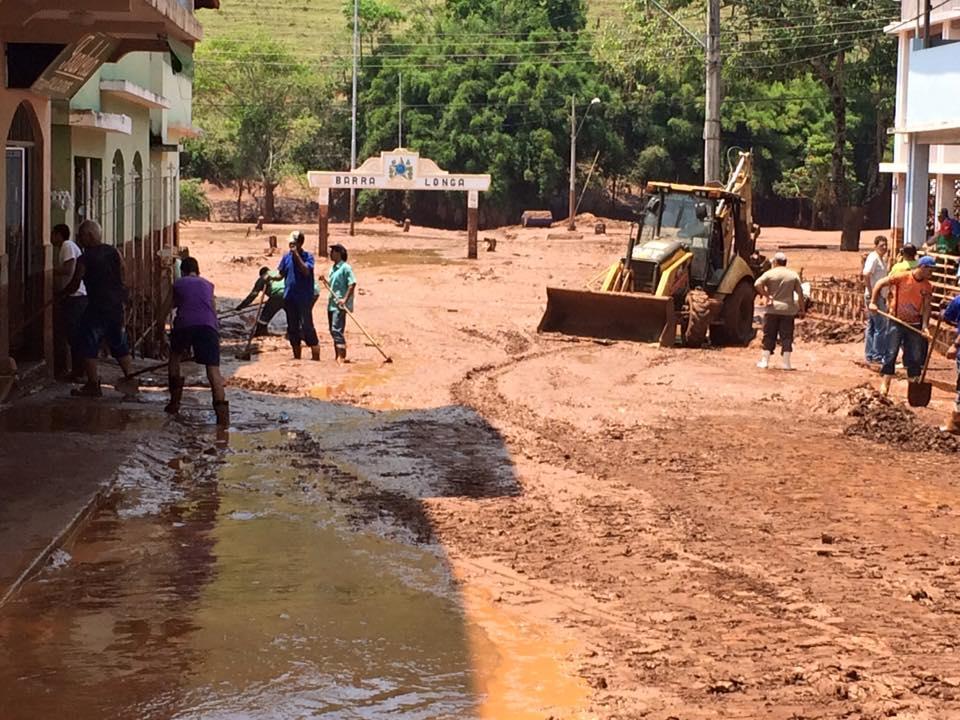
(88, 390)
(222, 409)
(176, 394)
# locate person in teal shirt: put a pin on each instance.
(272, 284)
(343, 284)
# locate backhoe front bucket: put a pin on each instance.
(610, 315)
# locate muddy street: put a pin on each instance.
(498, 524)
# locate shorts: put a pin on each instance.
(93, 329)
(203, 339)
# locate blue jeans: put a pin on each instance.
(914, 350)
(300, 322)
(338, 323)
(875, 341)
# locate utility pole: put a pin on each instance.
(711, 121)
(353, 128)
(400, 110)
(571, 219)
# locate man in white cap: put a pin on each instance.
(783, 292)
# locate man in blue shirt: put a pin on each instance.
(296, 269)
(342, 286)
(952, 315)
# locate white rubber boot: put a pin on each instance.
(885, 385)
(764, 360)
(786, 361)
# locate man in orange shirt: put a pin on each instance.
(912, 292)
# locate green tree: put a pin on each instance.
(375, 16)
(487, 88)
(263, 107)
(841, 46)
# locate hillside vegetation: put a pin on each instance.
(487, 86)
(320, 24)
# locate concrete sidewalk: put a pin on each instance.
(57, 456)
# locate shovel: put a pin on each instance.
(246, 355)
(918, 393)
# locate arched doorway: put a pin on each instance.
(24, 244)
(117, 209)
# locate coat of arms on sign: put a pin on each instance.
(401, 168)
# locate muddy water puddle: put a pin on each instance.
(402, 256)
(242, 596)
(77, 415)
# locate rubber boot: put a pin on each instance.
(88, 390)
(315, 353)
(786, 361)
(885, 385)
(764, 360)
(176, 394)
(222, 409)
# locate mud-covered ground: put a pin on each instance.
(632, 531)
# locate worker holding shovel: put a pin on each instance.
(910, 314)
(196, 328)
(342, 283)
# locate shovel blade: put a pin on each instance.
(918, 394)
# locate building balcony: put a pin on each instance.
(133, 93)
(134, 21)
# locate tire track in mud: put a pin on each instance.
(789, 647)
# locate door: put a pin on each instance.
(16, 234)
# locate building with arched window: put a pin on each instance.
(94, 103)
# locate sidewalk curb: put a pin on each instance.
(76, 523)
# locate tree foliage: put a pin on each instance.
(487, 87)
(265, 115)
(482, 101)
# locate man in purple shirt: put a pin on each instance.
(195, 327)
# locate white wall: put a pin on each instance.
(932, 97)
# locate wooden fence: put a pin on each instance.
(844, 301)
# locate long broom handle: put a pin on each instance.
(897, 320)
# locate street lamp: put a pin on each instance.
(574, 132)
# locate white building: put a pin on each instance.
(927, 126)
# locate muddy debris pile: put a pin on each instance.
(828, 331)
(879, 419)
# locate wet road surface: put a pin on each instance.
(230, 585)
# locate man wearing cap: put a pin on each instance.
(910, 305)
(343, 283)
(783, 292)
(296, 269)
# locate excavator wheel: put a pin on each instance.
(701, 310)
(737, 327)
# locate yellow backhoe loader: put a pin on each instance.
(688, 263)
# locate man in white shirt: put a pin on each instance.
(874, 270)
(72, 307)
